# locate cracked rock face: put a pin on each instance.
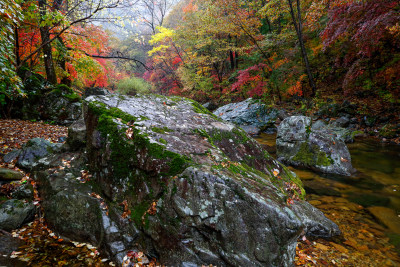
(180, 185)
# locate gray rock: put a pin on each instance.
(249, 113)
(57, 104)
(30, 153)
(77, 135)
(210, 106)
(9, 244)
(341, 122)
(96, 91)
(345, 135)
(11, 155)
(199, 189)
(250, 129)
(24, 191)
(318, 125)
(319, 148)
(14, 213)
(10, 175)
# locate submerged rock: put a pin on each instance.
(174, 181)
(300, 144)
(250, 115)
(386, 216)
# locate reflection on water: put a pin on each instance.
(377, 182)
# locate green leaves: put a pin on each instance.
(10, 83)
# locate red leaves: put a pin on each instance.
(360, 36)
(293, 191)
(251, 80)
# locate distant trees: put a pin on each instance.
(364, 38)
(277, 49)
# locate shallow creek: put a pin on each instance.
(372, 193)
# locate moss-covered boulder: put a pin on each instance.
(173, 180)
(301, 144)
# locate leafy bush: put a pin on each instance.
(133, 86)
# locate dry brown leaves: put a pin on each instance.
(14, 133)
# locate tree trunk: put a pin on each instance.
(47, 53)
(232, 59)
(17, 56)
(299, 30)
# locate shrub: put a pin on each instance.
(133, 86)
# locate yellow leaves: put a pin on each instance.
(395, 30)
(160, 48)
(162, 35)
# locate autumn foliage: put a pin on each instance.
(230, 50)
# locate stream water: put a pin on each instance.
(375, 186)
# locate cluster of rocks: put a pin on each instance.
(173, 180)
(301, 141)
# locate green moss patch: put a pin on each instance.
(163, 130)
(124, 152)
(309, 157)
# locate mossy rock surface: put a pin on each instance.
(198, 190)
(300, 143)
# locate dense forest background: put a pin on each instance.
(207, 50)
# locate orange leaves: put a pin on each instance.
(152, 210)
(127, 211)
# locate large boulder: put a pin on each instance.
(96, 91)
(251, 115)
(174, 181)
(301, 144)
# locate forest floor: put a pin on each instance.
(363, 241)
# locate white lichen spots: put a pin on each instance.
(218, 213)
(223, 192)
(203, 215)
(159, 203)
